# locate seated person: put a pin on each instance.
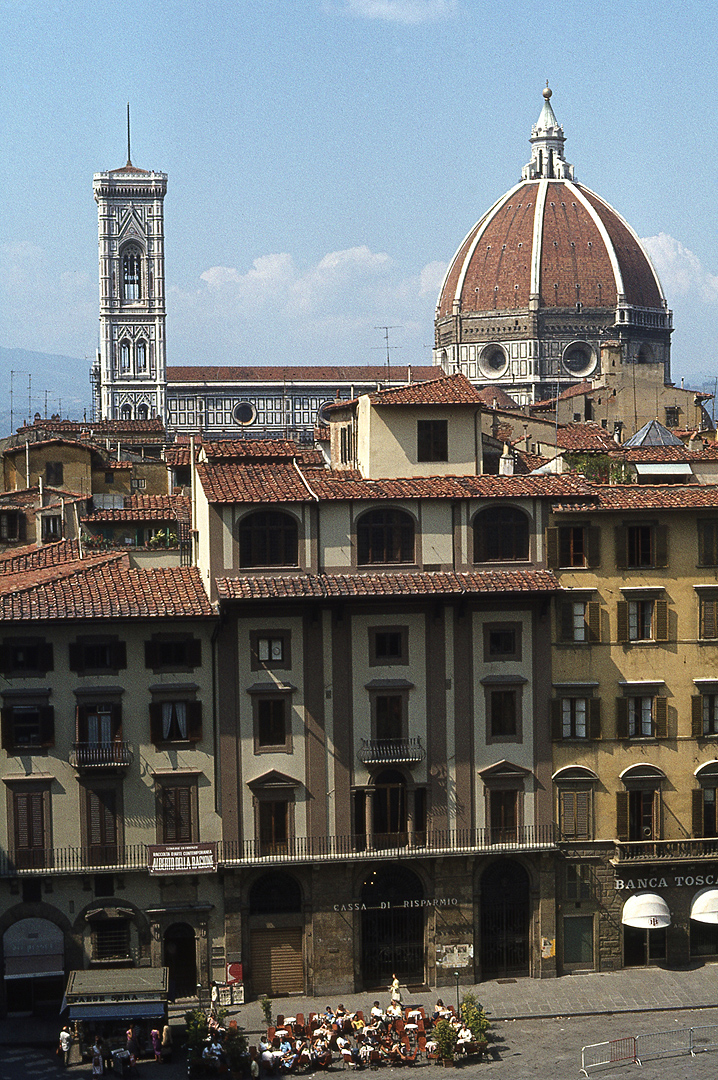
(393, 1010)
(377, 1013)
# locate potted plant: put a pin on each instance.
(445, 1035)
(197, 1030)
(473, 1015)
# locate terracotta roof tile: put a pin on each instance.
(321, 586)
(444, 390)
(330, 374)
(572, 391)
(145, 508)
(32, 557)
(106, 588)
(228, 482)
(588, 437)
(649, 497)
(495, 397)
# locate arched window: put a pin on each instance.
(275, 893)
(143, 412)
(141, 356)
(131, 262)
(268, 538)
(385, 536)
(501, 534)
(124, 356)
(126, 412)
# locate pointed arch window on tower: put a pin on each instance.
(124, 356)
(141, 356)
(131, 273)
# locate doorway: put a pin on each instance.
(181, 959)
(505, 912)
(392, 931)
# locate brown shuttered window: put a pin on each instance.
(552, 548)
(661, 620)
(709, 619)
(593, 621)
(697, 716)
(660, 707)
(622, 815)
(621, 541)
(29, 821)
(622, 621)
(593, 548)
(621, 718)
(708, 542)
(575, 814)
(697, 812)
(102, 817)
(177, 814)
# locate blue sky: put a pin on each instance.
(326, 158)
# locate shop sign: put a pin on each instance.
(182, 858)
(386, 905)
(672, 881)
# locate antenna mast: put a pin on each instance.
(129, 158)
(386, 330)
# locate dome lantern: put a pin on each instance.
(547, 142)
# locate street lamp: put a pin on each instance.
(458, 1007)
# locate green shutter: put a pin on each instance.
(593, 546)
(622, 621)
(660, 711)
(697, 716)
(621, 718)
(660, 541)
(593, 620)
(708, 619)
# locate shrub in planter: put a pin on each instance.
(474, 1017)
(445, 1036)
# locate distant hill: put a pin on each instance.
(65, 379)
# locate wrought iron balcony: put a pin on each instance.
(652, 851)
(102, 755)
(391, 751)
(298, 849)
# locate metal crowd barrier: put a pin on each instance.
(635, 1049)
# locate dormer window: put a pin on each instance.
(131, 273)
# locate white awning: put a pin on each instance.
(665, 468)
(705, 906)
(647, 911)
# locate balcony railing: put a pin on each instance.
(301, 849)
(651, 851)
(85, 755)
(391, 751)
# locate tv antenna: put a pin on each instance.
(389, 348)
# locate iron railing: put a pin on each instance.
(300, 849)
(391, 751)
(665, 850)
(98, 755)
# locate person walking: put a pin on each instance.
(166, 1043)
(65, 1044)
(98, 1066)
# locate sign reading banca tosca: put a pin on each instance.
(182, 858)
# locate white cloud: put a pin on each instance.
(400, 11)
(680, 270)
(432, 278)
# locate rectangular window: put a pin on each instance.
(272, 723)
(578, 883)
(503, 816)
(28, 725)
(51, 527)
(138, 483)
(708, 619)
(580, 621)
(504, 713)
(13, 526)
(273, 819)
(97, 654)
(673, 416)
(388, 645)
(710, 714)
(502, 641)
(574, 813)
(29, 814)
(572, 545)
(641, 716)
(708, 542)
(389, 717)
(53, 473)
(111, 940)
(576, 717)
(177, 815)
(102, 819)
(641, 545)
(642, 620)
(432, 441)
(175, 719)
(178, 652)
(270, 650)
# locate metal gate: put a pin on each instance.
(392, 944)
(504, 920)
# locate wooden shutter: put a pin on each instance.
(660, 543)
(47, 725)
(593, 620)
(621, 718)
(45, 656)
(565, 627)
(151, 654)
(118, 655)
(593, 545)
(697, 716)
(552, 559)
(567, 813)
(661, 620)
(697, 825)
(556, 718)
(622, 621)
(194, 720)
(156, 721)
(622, 815)
(594, 718)
(708, 619)
(660, 717)
(583, 814)
(7, 727)
(76, 657)
(621, 539)
(177, 812)
(194, 652)
(101, 817)
(29, 820)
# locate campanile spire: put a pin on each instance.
(547, 142)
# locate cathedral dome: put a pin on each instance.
(549, 252)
